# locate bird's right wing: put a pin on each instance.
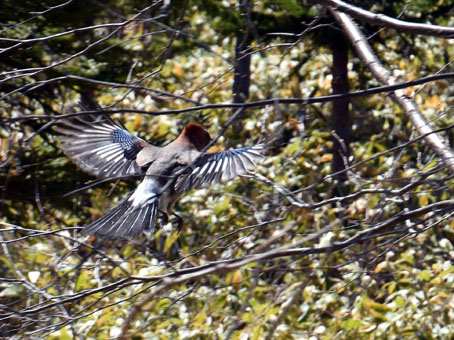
(220, 166)
(102, 148)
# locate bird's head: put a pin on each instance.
(195, 134)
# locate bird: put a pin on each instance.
(104, 148)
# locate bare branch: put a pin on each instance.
(383, 20)
(380, 72)
(253, 104)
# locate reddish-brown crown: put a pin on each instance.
(195, 134)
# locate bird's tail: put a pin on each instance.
(125, 220)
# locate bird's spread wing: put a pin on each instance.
(102, 148)
(220, 166)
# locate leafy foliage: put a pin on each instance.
(143, 64)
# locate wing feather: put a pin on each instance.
(102, 148)
(220, 166)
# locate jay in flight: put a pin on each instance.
(106, 149)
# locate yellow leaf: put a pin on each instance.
(295, 86)
(137, 122)
(170, 241)
(327, 157)
(234, 278)
(199, 319)
(432, 102)
(391, 287)
(380, 267)
(423, 200)
(177, 71)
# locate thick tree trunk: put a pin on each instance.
(340, 115)
(242, 69)
(242, 65)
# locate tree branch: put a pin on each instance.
(386, 21)
(249, 105)
(366, 54)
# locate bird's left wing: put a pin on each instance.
(220, 166)
(102, 148)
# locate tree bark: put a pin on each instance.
(242, 75)
(436, 141)
(340, 113)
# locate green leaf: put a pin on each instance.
(82, 281)
(425, 275)
(350, 324)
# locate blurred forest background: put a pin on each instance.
(344, 231)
